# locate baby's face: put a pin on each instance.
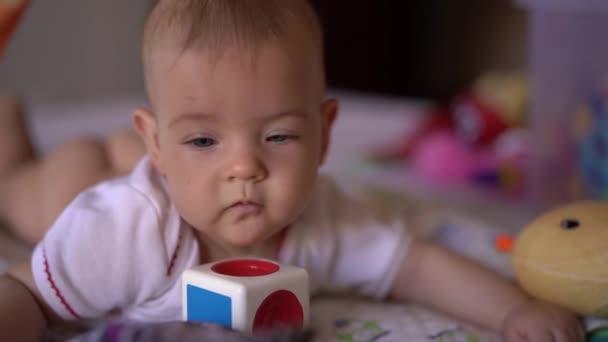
(239, 140)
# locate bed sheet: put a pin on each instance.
(356, 320)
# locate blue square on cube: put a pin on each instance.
(208, 306)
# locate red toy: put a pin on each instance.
(474, 123)
(478, 123)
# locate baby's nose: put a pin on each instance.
(246, 167)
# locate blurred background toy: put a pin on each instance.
(591, 133)
(445, 160)
(496, 103)
(10, 14)
(599, 334)
(561, 258)
(438, 118)
(477, 139)
(477, 122)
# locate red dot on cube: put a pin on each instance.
(281, 309)
(245, 268)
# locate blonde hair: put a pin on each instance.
(216, 24)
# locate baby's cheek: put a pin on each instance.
(192, 202)
(293, 195)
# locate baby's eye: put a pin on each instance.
(280, 138)
(202, 142)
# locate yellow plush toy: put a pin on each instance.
(562, 258)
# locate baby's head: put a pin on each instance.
(238, 125)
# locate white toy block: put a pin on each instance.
(246, 294)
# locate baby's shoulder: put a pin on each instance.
(336, 210)
(330, 203)
(137, 203)
(326, 193)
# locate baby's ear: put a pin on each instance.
(146, 126)
(329, 112)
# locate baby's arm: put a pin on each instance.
(23, 317)
(433, 276)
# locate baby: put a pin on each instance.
(237, 129)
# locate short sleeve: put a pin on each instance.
(347, 244)
(88, 264)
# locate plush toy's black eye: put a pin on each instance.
(570, 223)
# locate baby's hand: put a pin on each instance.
(539, 322)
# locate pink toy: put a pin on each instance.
(441, 159)
(468, 117)
(250, 295)
(439, 119)
(446, 160)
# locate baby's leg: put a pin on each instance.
(125, 149)
(15, 144)
(40, 190)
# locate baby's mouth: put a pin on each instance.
(246, 207)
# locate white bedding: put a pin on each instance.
(350, 320)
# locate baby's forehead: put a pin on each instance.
(273, 62)
(224, 88)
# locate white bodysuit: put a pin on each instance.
(120, 247)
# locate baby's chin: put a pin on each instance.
(250, 236)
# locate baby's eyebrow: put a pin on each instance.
(191, 117)
(296, 114)
(196, 116)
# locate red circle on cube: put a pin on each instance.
(245, 268)
(281, 309)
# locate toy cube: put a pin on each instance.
(250, 295)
